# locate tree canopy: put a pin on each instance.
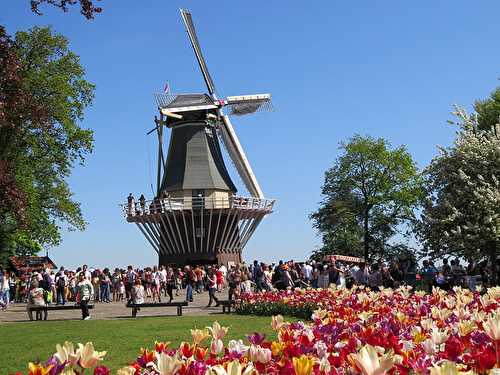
(43, 95)
(488, 111)
(461, 214)
(370, 191)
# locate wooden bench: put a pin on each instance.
(42, 312)
(226, 305)
(137, 306)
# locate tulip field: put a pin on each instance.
(355, 331)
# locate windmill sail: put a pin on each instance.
(246, 104)
(239, 158)
(188, 22)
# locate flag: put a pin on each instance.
(166, 88)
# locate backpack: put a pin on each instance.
(61, 282)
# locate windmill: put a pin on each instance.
(196, 215)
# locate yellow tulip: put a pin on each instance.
(427, 324)
(418, 337)
(66, 353)
(441, 314)
(129, 370)
(401, 316)
(276, 348)
(199, 335)
(494, 292)
(369, 363)
(277, 322)
(218, 332)
(438, 336)
(448, 368)
(303, 365)
(38, 369)
(88, 356)
(492, 326)
(319, 314)
(233, 368)
(167, 365)
(465, 327)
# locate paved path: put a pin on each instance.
(117, 310)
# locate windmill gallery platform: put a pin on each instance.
(198, 230)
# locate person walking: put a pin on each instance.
(257, 275)
(170, 283)
(85, 293)
(156, 284)
(212, 287)
(4, 290)
(61, 282)
(130, 278)
(105, 283)
(190, 278)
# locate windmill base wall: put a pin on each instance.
(195, 259)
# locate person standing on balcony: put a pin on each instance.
(131, 204)
(142, 202)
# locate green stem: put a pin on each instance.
(496, 350)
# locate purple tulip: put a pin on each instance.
(57, 368)
(256, 338)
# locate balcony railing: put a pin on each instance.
(161, 205)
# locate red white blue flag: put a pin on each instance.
(166, 88)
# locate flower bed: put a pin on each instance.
(299, 303)
(393, 331)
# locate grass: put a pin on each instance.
(21, 343)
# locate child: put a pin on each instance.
(121, 292)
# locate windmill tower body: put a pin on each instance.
(197, 216)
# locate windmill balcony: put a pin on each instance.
(157, 206)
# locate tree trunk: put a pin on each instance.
(366, 237)
(492, 252)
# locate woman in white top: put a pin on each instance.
(324, 277)
(138, 292)
(268, 277)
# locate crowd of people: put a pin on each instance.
(155, 284)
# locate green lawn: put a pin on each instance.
(21, 343)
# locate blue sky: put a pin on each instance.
(389, 69)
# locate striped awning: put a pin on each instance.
(343, 258)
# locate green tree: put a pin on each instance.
(369, 193)
(488, 111)
(87, 7)
(43, 95)
(461, 213)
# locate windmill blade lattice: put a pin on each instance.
(188, 22)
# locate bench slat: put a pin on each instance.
(55, 308)
(163, 304)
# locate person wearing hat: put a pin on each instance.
(35, 298)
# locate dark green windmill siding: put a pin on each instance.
(194, 159)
